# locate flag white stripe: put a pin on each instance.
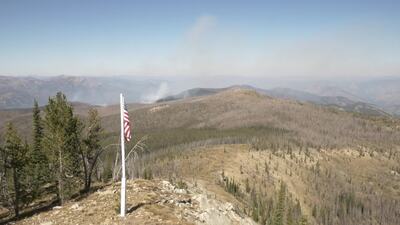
(127, 124)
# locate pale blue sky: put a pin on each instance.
(200, 38)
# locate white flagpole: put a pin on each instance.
(123, 178)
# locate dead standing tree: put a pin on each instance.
(140, 146)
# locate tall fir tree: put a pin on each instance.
(15, 160)
(303, 221)
(4, 191)
(92, 149)
(290, 220)
(62, 142)
(280, 207)
(39, 160)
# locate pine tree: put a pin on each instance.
(254, 205)
(92, 148)
(3, 179)
(303, 221)
(15, 160)
(280, 208)
(39, 161)
(62, 142)
(314, 211)
(289, 217)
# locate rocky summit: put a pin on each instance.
(148, 202)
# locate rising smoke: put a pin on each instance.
(162, 91)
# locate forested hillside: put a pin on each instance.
(278, 161)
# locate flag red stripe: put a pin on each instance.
(127, 125)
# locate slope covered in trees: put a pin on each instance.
(57, 164)
(278, 159)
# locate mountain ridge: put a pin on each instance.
(339, 102)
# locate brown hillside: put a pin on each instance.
(310, 124)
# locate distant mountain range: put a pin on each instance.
(339, 102)
(19, 92)
(384, 92)
(367, 96)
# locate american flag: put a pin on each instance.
(127, 124)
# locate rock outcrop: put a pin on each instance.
(148, 202)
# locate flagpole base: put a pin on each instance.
(123, 197)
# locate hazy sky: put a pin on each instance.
(200, 38)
